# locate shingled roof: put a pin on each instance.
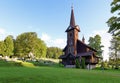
(81, 44)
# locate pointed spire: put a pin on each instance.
(72, 24)
(72, 19)
(83, 39)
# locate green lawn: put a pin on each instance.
(56, 75)
(24, 72)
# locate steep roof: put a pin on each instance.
(85, 54)
(72, 19)
(79, 43)
(90, 53)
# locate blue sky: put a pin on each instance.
(50, 18)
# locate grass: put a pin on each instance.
(42, 74)
(17, 64)
(56, 75)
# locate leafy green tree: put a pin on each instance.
(114, 21)
(53, 52)
(9, 46)
(115, 50)
(29, 42)
(39, 48)
(2, 48)
(95, 42)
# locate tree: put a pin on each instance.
(28, 42)
(2, 48)
(53, 52)
(115, 51)
(9, 46)
(114, 21)
(95, 42)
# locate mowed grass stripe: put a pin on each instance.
(56, 75)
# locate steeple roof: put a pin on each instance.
(83, 39)
(72, 24)
(72, 19)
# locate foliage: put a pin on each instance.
(2, 48)
(114, 21)
(40, 48)
(77, 63)
(83, 63)
(114, 24)
(112, 63)
(53, 52)
(105, 65)
(95, 42)
(115, 50)
(9, 45)
(45, 63)
(28, 42)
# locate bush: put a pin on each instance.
(83, 63)
(77, 63)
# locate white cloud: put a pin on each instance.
(105, 40)
(59, 42)
(2, 33)
(45, 37)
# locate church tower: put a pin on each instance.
(75, 48)
(72, 35)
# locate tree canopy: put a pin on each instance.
(95, 42)
(114, 21)
(26, 44)
(53, 52)
(7, 46)
(2, 48)
(29, 42)
(115, 51)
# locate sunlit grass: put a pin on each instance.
(15, 64)
(56, 75)
(25, 72)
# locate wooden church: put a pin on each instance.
(76, 49)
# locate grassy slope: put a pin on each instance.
(56, 75)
